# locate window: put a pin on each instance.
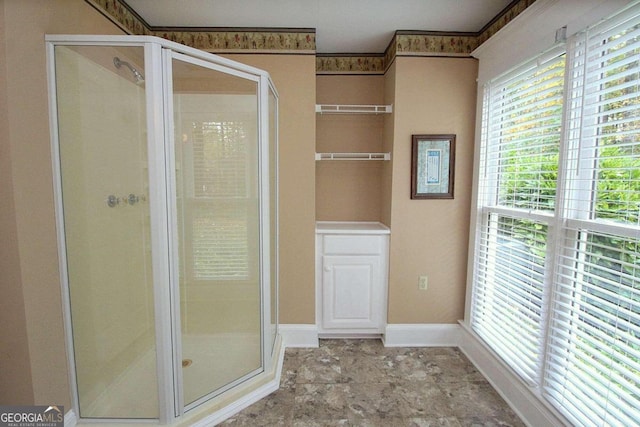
(593, 361)
(219, 203)
(520, 148)
(557, 270)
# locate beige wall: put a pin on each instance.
(31, 226)
(430, 237)
(294, 78)
(36, 349)
(386, 183)
(349, 191)
(430, 95)
(15, 376)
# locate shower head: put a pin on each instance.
(119, 63)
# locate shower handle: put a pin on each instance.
(113, 201)
(131, 199)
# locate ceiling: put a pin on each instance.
(342, 26)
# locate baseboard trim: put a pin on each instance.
(253, 396)
(524, 400)
(299, 335)
(422, 335)
(395, 335)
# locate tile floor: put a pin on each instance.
(362, 383)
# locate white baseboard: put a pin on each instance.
(422, 335)
(299, 335)
(396, 335)
(523, 399)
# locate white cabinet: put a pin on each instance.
(350, 293)
(351, 277)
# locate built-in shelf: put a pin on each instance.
(353, 156)
(353, 109)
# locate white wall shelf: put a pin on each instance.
(353, 156)
(353, 109)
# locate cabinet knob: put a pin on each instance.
(327, 268)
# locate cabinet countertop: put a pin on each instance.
(351, 227)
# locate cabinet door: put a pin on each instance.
(352, 292)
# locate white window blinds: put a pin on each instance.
(557, 264)
(220, 212)
(519, 158)
(523, 135)
(593, 359)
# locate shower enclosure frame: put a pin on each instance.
(158, 55)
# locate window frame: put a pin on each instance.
(572, 218)
(488, 198)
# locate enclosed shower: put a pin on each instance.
(165, 163)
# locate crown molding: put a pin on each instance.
(121, 14)
(302, 41)
(213, 39)
(429, 43)
(350, 63)
(508, 14)
(222, 40)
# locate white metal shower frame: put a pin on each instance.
(158, 55)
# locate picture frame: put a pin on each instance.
(432, 166)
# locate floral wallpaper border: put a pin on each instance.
(350, 63)
(514, 9)
(297, 40)
(303, 41)
(122, 15)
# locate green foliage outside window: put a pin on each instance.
(528, 179)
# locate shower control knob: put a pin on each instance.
(112, 201)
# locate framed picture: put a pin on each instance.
(432, 166)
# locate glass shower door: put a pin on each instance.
(166, 209)
(102, 148)
(216, 153)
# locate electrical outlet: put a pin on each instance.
(423, 283)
